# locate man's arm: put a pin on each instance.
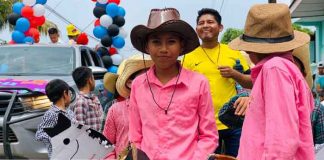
(281, 116)
(243, 79)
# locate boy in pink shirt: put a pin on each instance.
(277, 123)
(171, 112)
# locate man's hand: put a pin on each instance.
(241, 105)
(228, 72)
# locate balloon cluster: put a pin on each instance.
(108, 28)
(26, 17)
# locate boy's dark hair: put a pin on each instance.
(81, 75)
(213, 12)
(52, 31)
(55, 89)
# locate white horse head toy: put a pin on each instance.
(76, 141)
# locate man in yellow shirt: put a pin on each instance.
(216, 61)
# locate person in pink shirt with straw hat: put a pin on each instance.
(117, 121)
(277, 124)
(171, 111)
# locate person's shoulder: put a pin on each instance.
(193, 53)
(140, 79)
(194, 77)
(228, 50)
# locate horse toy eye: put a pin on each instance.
(66, 141)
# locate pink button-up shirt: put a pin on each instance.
(277, 123)
(187, 131)
(116, 127)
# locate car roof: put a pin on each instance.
(42, 45)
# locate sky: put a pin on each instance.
(79, 12)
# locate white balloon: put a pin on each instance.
(102, 1)
(105, 20)
(39, 10)
(117, 59)
(122, 32)
(29, 2)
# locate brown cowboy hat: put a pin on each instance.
(302, 53)
(268, 29)
(164, 20)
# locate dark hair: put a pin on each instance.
(52, 31)
(213, 12)
(55, 89)
(81, 75)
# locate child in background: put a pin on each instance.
(59, 94)
(117, 122)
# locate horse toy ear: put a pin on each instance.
(63, 123)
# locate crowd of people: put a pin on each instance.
(178, 102)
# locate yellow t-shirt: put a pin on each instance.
(222, 89)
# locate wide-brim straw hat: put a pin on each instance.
(268, 29)
(131, 66)
(109, 82)
(302, 53)
(164, 20)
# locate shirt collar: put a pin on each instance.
(257, 68)
(87, 95)
(183, 79)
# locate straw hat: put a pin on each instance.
(164, 20)
(113, 82)
(268, 29)
(302, 53)
(72, 30)
(109, 82)
(131, 66)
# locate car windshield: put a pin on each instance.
(36, 60)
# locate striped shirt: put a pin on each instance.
(88, 110)
(49, 120)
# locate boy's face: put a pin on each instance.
(164, 49)
(54, 37)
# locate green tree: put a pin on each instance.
(230, 34)
(6, 9)
(303, 29)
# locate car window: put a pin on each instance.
(37, 60)
(96, 59)
(85, 60)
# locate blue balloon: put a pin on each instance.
(101, 5)
(112, 9)
(121, 11)
(22, 24)
(18, 36)
(41, 1)
(29, 40)
(17, 7)
(118, 42)
(100, 32)
(112, 69)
